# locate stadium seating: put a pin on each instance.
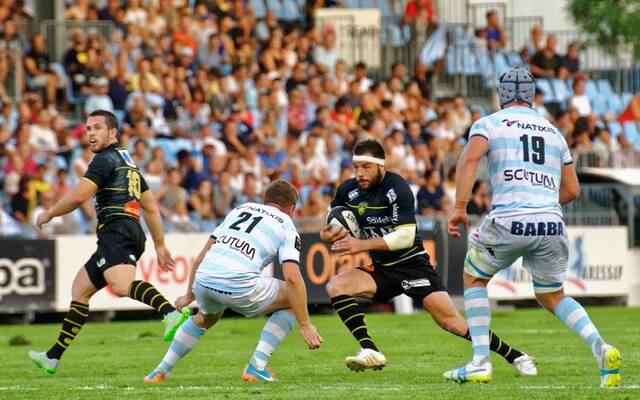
(275, 6)
(259, 8)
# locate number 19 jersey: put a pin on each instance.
(526, 156)
(250, 238)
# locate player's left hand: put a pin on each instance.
(348, 245)
(458, 217)
(165, 261)
(42, 219)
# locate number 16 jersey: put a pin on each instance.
(526, 155)
(250, 238)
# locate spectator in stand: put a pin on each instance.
(9, 45)
(571, 64)
(627, 156)
(20, 201)
(58, 225)
(496, 37)
(430, 194)
(42, 138)
(534, 45)
(314, 206)
(480, 201)
(538, 105)
(325, 55)
(398, 71)
(360, 77)
(180, 219)
(37, 64)
(460, 115)
(419, 12)
(604, 147)
(200, 203)
(99, 99)
(249, 193)
(547, 63)
(171, 193)
(579, 100)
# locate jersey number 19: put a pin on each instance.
(537, 149)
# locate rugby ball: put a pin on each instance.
(343, 217)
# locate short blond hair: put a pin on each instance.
(282, 193)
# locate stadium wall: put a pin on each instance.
(36, 275)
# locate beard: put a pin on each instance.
(375, 181)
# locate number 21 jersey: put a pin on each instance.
(248, 240)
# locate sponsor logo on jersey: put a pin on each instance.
(101, 262)
(509, 123)
(353, 194)
(239, 245)
(535, 127)
(298, 244)
(132, 208)
(263, 211)
(534, 178)
(378, 220)
(362, 207)
(391, 195)
(395, 211)
(406, 285)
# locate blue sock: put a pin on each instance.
(186, 338)
(575, 317)
(275, 330)
(478, 313)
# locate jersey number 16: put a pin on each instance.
(134, 183)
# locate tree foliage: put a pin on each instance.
(610, 23)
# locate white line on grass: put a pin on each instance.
(561, 387)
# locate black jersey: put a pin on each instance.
(380, 211)
(119, 183)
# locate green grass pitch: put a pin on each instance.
(109, 360)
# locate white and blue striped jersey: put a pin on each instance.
(526, 155)
(250, 238)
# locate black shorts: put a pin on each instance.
(414, 277)
(119, 242)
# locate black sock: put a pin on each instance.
(497, 345)
(145, 293)
(71, 325)
(352, 316)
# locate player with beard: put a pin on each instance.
(384, 207)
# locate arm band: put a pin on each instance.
(402, 238)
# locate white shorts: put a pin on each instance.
(540, 239)
(250, 303)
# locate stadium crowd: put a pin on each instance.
(214, 103)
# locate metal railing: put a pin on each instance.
(518, 30)
(456, 11)
(617, 159)
(478, 12)
(56, 33)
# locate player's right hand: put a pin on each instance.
(184, 301)
(42, 219)
(330, 234)
(165, 261)
(458, 217)
(311, 336)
